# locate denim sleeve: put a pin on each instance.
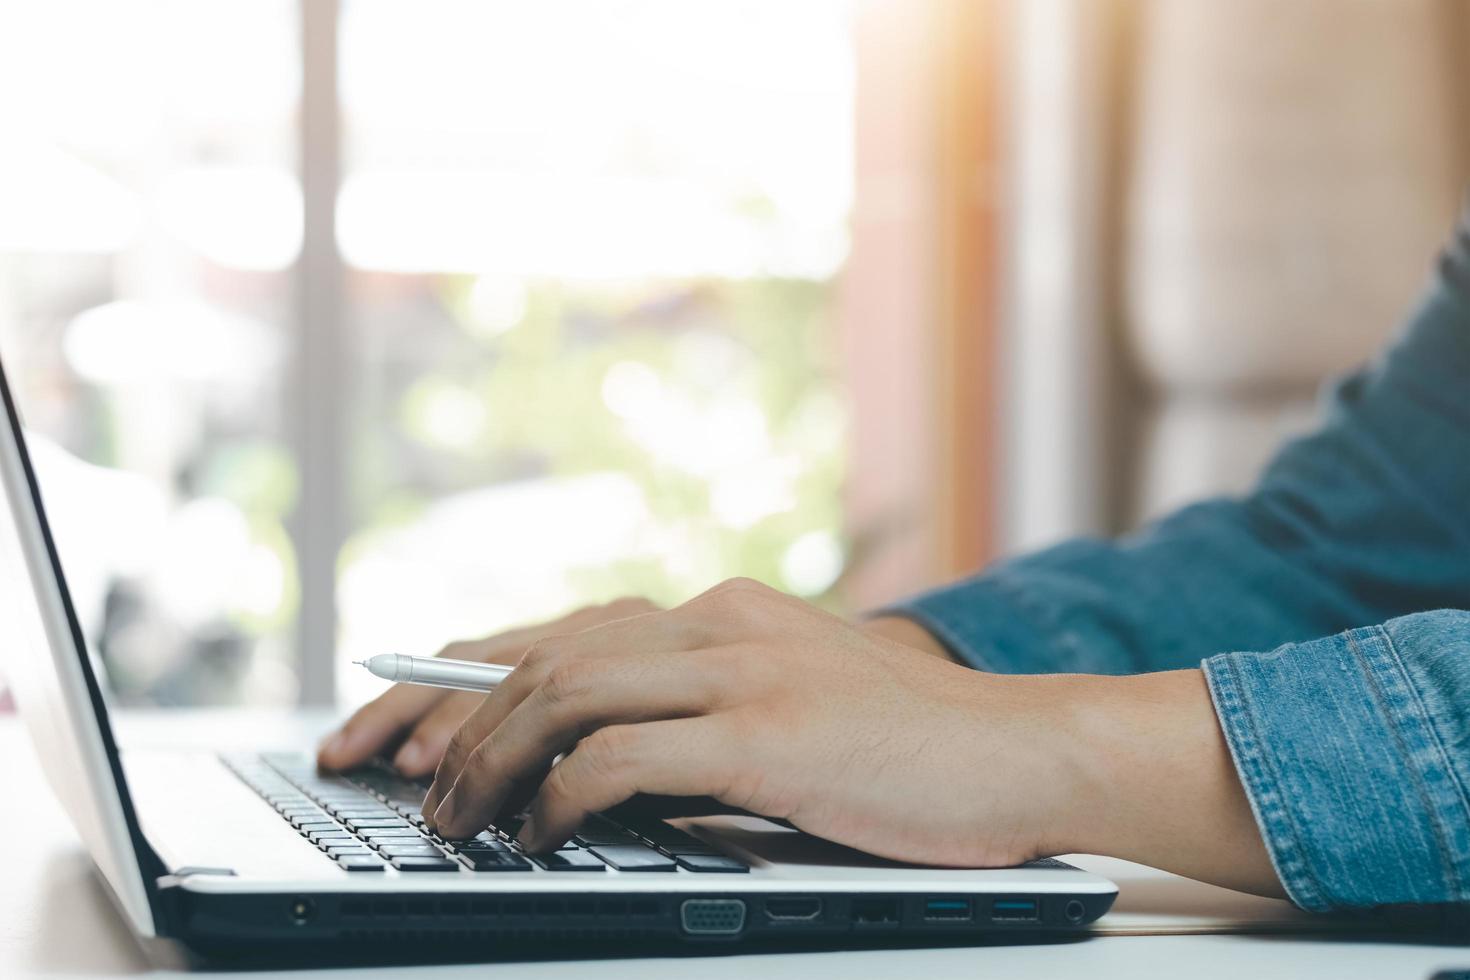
(1365, 520)
(1355, 753)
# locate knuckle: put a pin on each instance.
(629, 606)
(459, 746)
(564, 682)
(608, 749)
(555, 787)
(540, 654)
(479, 762)
(738, 599)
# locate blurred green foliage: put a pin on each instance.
(527, 397)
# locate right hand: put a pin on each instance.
(420, 720)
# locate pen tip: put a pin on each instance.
(360, 663)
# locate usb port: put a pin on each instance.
(947, 909)
(1014, 910)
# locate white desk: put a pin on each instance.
(56, 918)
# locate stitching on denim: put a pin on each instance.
(1282, 837)
(1396, 727)
(1437, 746)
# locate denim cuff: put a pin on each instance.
(1356, 798)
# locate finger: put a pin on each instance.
(375, 725)
(679, 757)
(578, 698)
(643, 633)
(420, 753)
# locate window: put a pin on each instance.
(583, 313)
(149, 220)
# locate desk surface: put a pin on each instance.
(57, 920)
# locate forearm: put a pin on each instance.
(1152, 775)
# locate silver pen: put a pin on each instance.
(461, 675)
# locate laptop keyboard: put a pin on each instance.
(368, 820)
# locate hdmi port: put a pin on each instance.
(793, 909)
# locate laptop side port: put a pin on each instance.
(875, 912)
(712, 916)
(793, 909)
(947, 910)
(1015, 910)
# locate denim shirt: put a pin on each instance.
(1328, 607)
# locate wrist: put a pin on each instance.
(1151, 780)
(901, 629)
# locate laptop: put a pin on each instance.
(229, 853)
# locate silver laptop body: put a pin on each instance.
(212, 851)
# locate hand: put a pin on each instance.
(429, 715)
(771, 705)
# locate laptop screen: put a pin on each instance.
(47, 663)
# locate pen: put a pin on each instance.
(462, 675)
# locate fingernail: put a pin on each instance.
(444, 815)
(528, 833)
(408, 757)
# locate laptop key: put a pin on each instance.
(326, 826)
(496, 861)
(344, 850)
(375, 823)
(469, 846)
(577, 860)
(672, 840)
(362, 813)
(359, 863)
(409, 850)
(390, 834)
(319, 836)
(425, 864)
(595, 838)
(508, 827)
(634, 858)
(714, 863)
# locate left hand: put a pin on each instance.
(769, 704)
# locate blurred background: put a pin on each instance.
(352, 326)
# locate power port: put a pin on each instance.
(875, 912)
(301, 910)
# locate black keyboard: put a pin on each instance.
(368, 820)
